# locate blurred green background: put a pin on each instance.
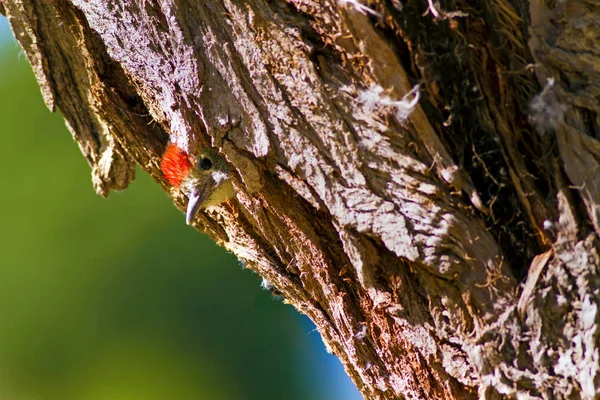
(119, 299)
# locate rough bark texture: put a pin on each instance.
(445, 251)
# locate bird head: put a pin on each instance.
(204, 179)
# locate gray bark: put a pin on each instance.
(446, 248)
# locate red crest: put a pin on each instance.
(175, 164)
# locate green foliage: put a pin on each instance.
(119, 299)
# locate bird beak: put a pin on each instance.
(197, 197)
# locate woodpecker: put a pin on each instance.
(204, 179)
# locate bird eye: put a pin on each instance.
(205, 164)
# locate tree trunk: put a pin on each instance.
(399, 166)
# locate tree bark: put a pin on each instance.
(421, 179)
